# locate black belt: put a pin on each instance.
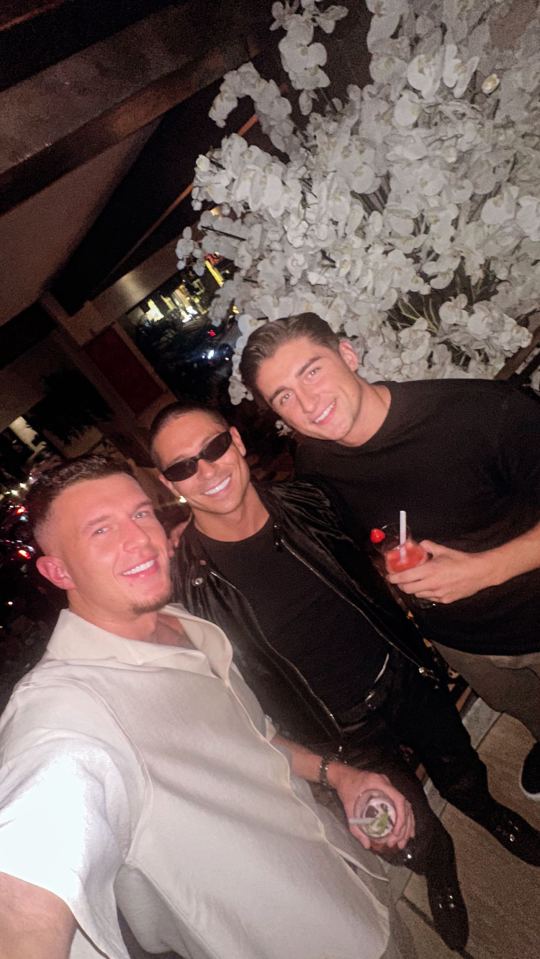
(351, 718)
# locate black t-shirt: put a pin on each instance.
(328, 641)
(463, 458)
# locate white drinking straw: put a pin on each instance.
(402, 533)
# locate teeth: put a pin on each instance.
(324, 414)
(139, 569)
(218, 488)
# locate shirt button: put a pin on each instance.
(198, 581)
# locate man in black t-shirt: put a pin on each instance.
(331, 658)
(462, 457)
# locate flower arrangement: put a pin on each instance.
(406, 214)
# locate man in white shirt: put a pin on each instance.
(138, 771)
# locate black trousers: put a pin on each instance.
(412, 721)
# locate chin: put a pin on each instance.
(153, 605)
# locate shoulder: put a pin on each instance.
(189, 548)
(55, 701)
(462, 388)
(299, 493)
(305, 502)
(479, 402)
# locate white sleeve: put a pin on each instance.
(66, 819)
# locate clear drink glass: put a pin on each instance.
(374, 814)
(399, 557)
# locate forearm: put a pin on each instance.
(304, 763)
(34, 923)
(351, 784)
(519, 555)
(451, 574)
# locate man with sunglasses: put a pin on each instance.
(331, 659)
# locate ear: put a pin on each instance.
(237, 440)
(348, 354)
(54, 570)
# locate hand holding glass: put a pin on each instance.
(374, 814)
(400, 552)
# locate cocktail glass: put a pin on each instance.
(374, 814)
(398, 556)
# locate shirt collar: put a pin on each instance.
(77, 639)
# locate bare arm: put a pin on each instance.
(451, 574)
(34, 923)
(349, 784)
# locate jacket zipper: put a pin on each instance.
(276, 652)
(423, 670)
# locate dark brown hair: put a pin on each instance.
(266, 340)
(53, 481)
(173, 412)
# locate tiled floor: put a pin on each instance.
(502, 893)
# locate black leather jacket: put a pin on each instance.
(306, 525)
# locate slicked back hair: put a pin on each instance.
(51, 482)
(173, 412)
(266, 340)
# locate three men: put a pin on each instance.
(331, 658)
(138, 771)
(463, 458)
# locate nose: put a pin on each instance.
(205, 469)
(307, 399)
(134, 535)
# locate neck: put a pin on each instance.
(141, 626)
(243, 521)
(373, 410)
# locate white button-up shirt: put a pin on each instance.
(142, 775)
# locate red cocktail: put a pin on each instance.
(399, 558)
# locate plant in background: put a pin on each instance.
(406, 214)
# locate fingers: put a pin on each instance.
(435, 548)
(404, 826)
(417, 574)
(364, 840)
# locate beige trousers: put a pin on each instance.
(509, 684)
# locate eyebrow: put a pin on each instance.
(296, 375)
(98, 520)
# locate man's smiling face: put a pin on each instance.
(108, 550)
(314, 389)
(218, 487)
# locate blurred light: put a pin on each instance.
(9, 602)
(20, 510)
(210, 354)
(25, 553)
(215, 273)
(211, 332)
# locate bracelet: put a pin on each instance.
(326, 759)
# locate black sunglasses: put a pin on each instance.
(211, 452)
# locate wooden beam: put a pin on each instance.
(15, 12)
(35, 35)
(73, 111)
